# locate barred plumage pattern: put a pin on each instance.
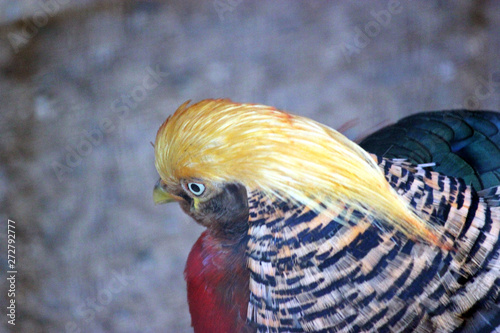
(311, 274)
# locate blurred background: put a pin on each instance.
(84, 86)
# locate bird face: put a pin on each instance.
(221, 207)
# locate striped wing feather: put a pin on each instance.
(311, 274)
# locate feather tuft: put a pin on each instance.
(282, 155)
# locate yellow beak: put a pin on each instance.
(161, 196)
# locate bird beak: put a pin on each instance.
(161, 196)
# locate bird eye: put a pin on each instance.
(196, 188)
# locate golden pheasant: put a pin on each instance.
(307, 232)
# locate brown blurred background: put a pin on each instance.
(84, 85)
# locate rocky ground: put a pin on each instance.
(84, 85)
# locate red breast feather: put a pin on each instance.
(217, 286)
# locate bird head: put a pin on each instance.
(212, 154)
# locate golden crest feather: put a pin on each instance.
(281, 155)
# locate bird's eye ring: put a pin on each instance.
(196, 188)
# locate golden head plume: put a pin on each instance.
(282, 155)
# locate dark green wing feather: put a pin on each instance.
(463, 144)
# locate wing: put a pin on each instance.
(463, 144)
(311, 274)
